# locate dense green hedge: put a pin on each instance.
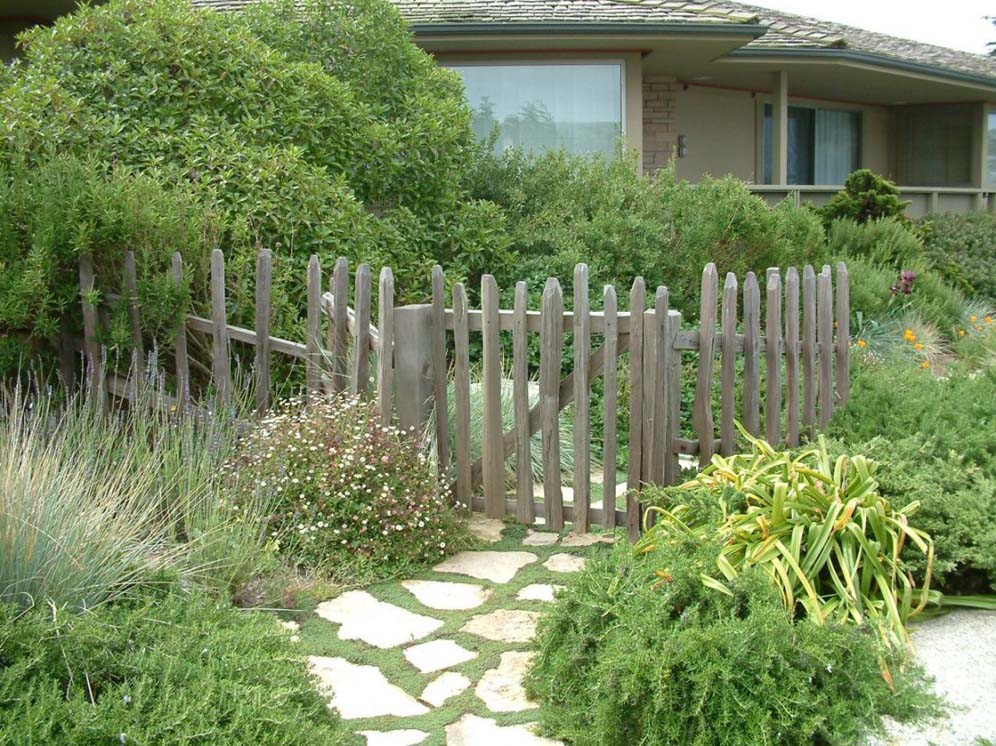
(296, 154)
(963, 248)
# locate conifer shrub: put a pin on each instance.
(866, 196)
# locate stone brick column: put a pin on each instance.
(660, 136)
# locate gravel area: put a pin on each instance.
(959, 651)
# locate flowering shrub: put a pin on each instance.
(349, 492)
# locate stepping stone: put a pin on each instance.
(540, 539)
(564, 563)
(486, 529)
(362, 691)
(445, 596)
(498, 567)
(538, 592)
(586, 540)
(437, 655)
(471, 730)
(377, 623)
(445, 687)
(290, 626)
(504, 625)
(501, 688)
(393, 737)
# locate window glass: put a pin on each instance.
(824, 145)
(539, 107)
(934, 145)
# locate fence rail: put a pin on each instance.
(408, 359)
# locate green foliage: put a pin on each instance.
(638, 650)
(272, 121)
(818, 527)
(894, 401)
(165, 668)
(956, 504)
(963, 249)
(563, 209)
(889, 241)
(352, 496)
(933, 439)
(866, 196)
(53, 214)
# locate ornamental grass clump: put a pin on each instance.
(352, 496)
(819, 528)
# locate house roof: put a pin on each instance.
(774, 32)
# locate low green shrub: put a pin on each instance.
(956, 501)
(963, 249)
(817, 526)
(352, 497)
(866, 196)
(163, 668)
(638, 650)
(958, 411)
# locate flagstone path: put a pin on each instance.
(439, 659)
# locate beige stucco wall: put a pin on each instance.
(722, 128)
(721, 131)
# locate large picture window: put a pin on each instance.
(824, 145)
(547, 106)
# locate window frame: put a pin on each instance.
(532, 61)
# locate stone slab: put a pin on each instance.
(362, 691)
(564, 563)
(540, 539)
(586, 540)
(498, 567)
(501, 689)
(445, 596)
(538, 592)
(446, 686)
(486, 529)
(471, 730)
(504, 625)
(436, 655)
(376, 623)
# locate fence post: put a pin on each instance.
(221, 365)
(91, 345)
(413, 364)
(843, 335)
(773, 353)
(182, 363)
(492, 449)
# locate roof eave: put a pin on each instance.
(866, 58)
(584, 28)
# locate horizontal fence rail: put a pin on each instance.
(792, 331)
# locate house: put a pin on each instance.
(789, 104)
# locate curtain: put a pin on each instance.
(838, 142)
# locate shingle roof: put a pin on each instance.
(785, 31)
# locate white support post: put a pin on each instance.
(779, 129)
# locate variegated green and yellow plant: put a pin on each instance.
(817, 526)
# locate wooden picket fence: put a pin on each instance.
(804, 340)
